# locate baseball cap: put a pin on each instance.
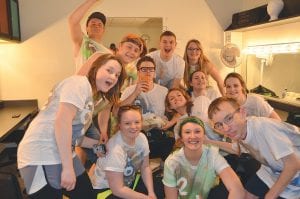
(97, 15)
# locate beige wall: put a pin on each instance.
(44, 57)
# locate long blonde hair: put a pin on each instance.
(202, 62)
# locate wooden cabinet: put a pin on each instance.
(9, 20)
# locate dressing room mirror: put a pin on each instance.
(149, 28)
(280, 72)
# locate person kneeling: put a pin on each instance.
(193, 170)
(116, 174)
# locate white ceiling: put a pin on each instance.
(134, 21)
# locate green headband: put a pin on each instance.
(191, 119)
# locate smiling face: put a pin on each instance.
(192, 135)
(167, 46)
(176, 99)
(128, 52)
(193, 52)
(95, 28)
(198, 80)
(107, 75)
(234, 88)
(130, 125)
(230, 121)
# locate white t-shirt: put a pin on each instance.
(120, 158)
(166, 72)
(39, 147)
(211, 94)
(257, 106)
(269, 141)
(152, 101)
(88, 47)
(200, 108)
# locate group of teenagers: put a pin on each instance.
(210, 136)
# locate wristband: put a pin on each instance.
(99, 148)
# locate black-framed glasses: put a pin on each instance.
(228, 119)
(193, 49)
(147, 69)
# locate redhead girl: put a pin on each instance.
(253, 104)
(46, 157)
(196, 60)
(115, 174)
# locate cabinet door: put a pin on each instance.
(4, 27)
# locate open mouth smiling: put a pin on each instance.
(167, 50)
(108, 83)
(193, 142)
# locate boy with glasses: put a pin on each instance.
(150, 96)
(170, 66)
(276, 145)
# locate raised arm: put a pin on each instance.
(63, 136)
(74, 23)
(232, 184)
(85, 68)
(290, 168)
(213, 71)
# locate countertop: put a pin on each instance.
(285, 104)
(14, 113)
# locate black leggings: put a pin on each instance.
(83, 189)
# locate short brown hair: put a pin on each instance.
(214, 105)
(144, 59)
(167, 33)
